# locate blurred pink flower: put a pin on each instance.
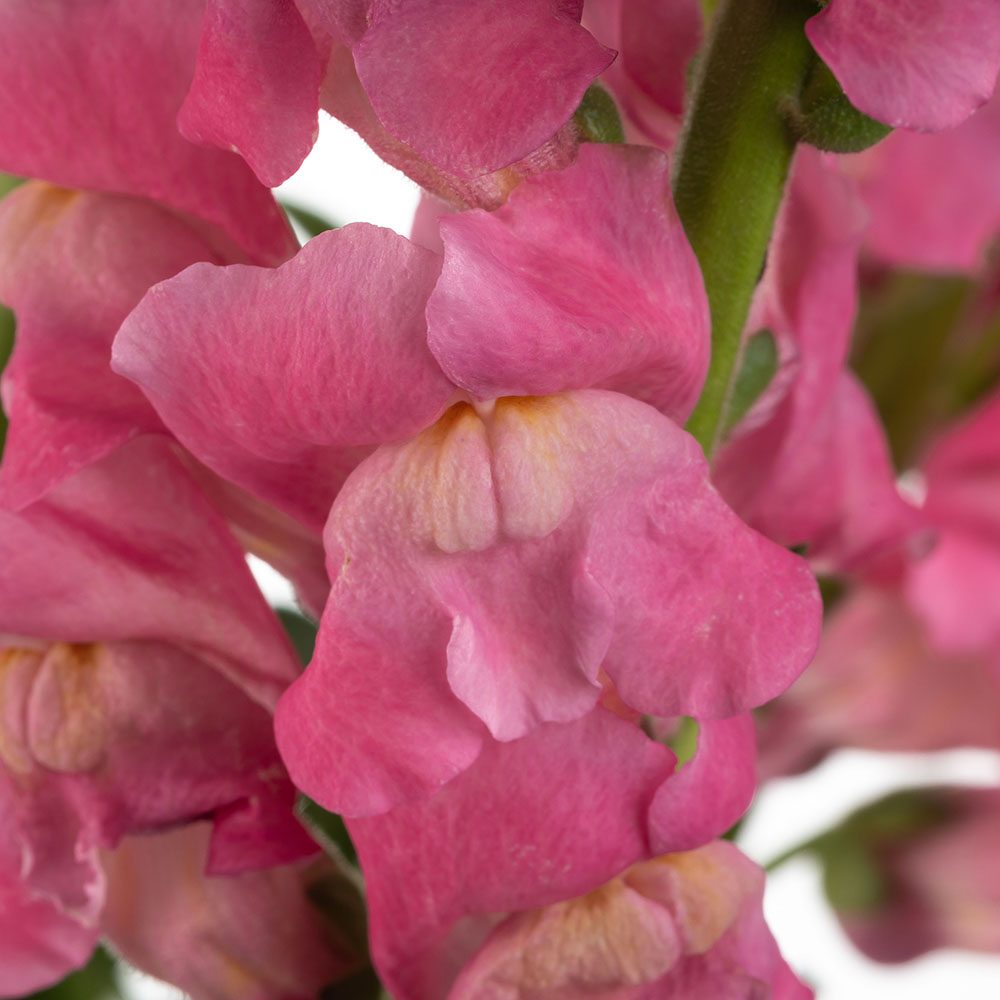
(919, 64)
(137, 664)
(939, 886)
(518, 534)
(256, 935)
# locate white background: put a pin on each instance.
(345, 181)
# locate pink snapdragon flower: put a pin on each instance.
(939, 887)
(918, 64)
(136, 661)
(530, 519)
(89, 97)
(569, 906)
(253, 936)
(67, 409)
(809, 463)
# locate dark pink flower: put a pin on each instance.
(516, 533)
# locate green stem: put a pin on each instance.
(731, 166)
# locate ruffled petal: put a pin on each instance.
(922, 64)
(256, 86)
(554, 291)
(105, 116)
(282, 380)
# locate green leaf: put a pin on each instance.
(597, 117)
(95, 981)
(6, 346)
(312, 223)
(328, 828)
(301, 630)
(824, 117)
(757, 368)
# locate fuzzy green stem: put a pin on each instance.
(731, 166)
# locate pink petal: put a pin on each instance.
(46, 930)
(553, 292)
(922, 64)
(255, 936)
(89, 94)
(656, 40)
(711, 791)
(953, 229)
(66, 408)
(129, 549)
(344, 97)
(282, 380)
(471, 87)
(256, 86)
(523, 844)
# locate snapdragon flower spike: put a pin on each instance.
(556, 907)
(953, 229)
(809, 463)
(253, 936)
(67, 409)
(918, 64)
(89, 97)
(518, 533)
(134, 649)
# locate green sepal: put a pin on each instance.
(824, 117)
(597, 117)
(757, 368)
(6, 346)
(311, 223)
(328, 829)
(95, 981)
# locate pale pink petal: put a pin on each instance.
(471, 86)
(934, 200)
(523, 844)
(130, 549)
(255, 936)
(89, 94)
(711, 791)
(552, 291)
(66, 407)
(282, 380)
(922, 64)
(256, 86)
